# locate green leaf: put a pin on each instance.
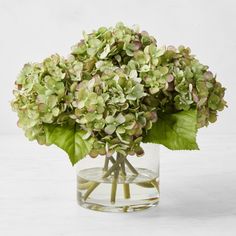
(70, 140)
(175, 131)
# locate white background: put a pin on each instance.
(37, 183)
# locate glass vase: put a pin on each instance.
(119, 183)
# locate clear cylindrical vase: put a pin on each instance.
(119, 183)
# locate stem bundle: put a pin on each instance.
(118, 167)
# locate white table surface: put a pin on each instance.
(37, 194)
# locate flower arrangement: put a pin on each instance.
(116, 90)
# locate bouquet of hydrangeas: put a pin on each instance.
(117, 90)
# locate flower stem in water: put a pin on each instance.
(114, 186)
(126, 188)
(90, 190)
(105, 168)
(131, 167)
(114, 167)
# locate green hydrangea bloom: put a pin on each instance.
(191, 85)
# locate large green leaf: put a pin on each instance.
(70, 139)
(175, 131)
